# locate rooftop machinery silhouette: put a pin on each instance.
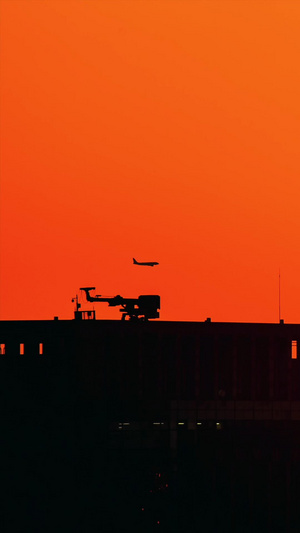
(141, 308)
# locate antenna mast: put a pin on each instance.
(279, 297)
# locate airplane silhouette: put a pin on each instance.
(149, 263)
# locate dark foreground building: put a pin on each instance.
(112, 426)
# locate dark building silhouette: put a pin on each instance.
(135, 426)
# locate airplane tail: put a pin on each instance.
(87, 293)
(135, 261)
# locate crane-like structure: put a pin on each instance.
(141, 308)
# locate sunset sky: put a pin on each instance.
(165, 130)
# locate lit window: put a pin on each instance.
(2, 349)
(41, 348)
(294, 349)
(123, 424)
(22, 348)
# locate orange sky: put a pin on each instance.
(166, 130)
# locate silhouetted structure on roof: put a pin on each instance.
(141, 308)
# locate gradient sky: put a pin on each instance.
(166, 130)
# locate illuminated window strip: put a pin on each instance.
(294, 349)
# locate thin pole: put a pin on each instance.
(279, 296)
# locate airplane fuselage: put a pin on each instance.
(145, 263)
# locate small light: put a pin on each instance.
(143, 509)
(167, 485)
(158, 521)
(199, 423)
(180, 423)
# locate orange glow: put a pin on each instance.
(166, 131)
(294, 350)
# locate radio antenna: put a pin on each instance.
(279, 296)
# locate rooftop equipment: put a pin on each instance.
(141, 308)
